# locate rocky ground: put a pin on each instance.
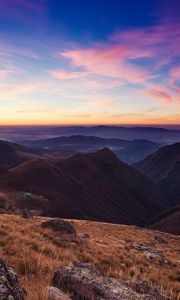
(87, 260)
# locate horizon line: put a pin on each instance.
(89, 125)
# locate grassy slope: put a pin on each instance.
(36, 252)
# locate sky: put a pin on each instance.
(89, 62)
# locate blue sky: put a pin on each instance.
(89, 62)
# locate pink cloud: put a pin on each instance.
(116, 57)
(162, 41)
(175, 73)
(133, 57)
(158, 95)
(174, 80)
(67, 74)
(107, 61)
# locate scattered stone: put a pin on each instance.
(27, 214)
(85, 236)
(160, 239)
(53, 293)
(10, 288)
(87, 285)
(148, 251)
(60, 226)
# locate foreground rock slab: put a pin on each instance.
(10, 288)
(87, 285)
(53, 293)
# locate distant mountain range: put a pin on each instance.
(95, 186)
(163, 167)
(128, 151)
(157, 134)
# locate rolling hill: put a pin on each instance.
(163, 167)
(12, 154)
(95, 186)
(127, 150)
(167, 221)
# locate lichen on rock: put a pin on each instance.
(10, 288)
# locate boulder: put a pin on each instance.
(27, 214)
(53, 293)
(88, 285)
(10, 288)
(60, 225)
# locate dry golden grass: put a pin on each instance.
(36, 252)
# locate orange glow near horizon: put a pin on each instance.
(150, 120)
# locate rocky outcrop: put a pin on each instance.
(10, 288)
(60, 226)
(88, 285)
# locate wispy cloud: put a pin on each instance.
(7, 6)
(158, 95)
(67, 74)
(108, 61)
(141, 57)
(9, 50)
(11, 91)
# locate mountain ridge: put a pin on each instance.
(163, 167)
(95, 186)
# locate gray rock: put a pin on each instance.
(152, 254)
(27, 214)
(159, 239)
(87, 285)
(60, 225)
(143, 287)
(85, 236)
(10, 288)
(53, 293)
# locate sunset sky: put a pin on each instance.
(89, 62)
